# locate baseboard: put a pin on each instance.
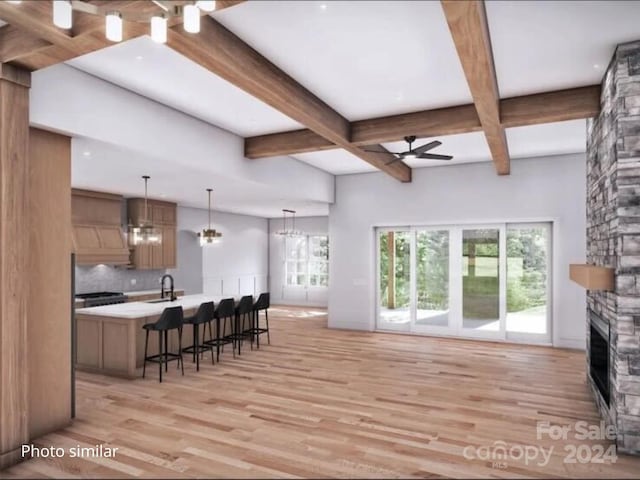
(573, 343)
(11, 458)
(299, 304)
(363, 327)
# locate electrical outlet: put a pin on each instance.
(133, 281)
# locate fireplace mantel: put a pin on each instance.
(592, 277)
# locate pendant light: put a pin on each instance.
(209, 235)
(62, 14)
(113, 26)
(159, 28)
(289, 224)
(145, 233)
(191, 18)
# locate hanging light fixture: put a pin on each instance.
(209, 235)
(191, 19)
(206, 5)
(289, 224)
(159, 28)
(145, 233)
(113, 26)
(62, 14)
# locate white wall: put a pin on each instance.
(280, 293)
(238, 265)
(549, 189)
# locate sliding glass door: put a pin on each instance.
(480, 281)
(394, 279)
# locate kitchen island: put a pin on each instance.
(110, 338)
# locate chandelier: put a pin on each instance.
(209, 235)
(62, 16)
(289, 224)
(145, 233)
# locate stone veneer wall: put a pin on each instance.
(613, 236)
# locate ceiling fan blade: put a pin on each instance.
(384, 153)
(426, 147)
(435, 156)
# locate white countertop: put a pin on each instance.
(145, 309)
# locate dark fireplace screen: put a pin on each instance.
(599, 359)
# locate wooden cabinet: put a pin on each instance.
(164, 217)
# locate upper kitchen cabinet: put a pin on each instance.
(97, 230)
(163, 215)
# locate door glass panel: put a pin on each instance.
(395, 279)
(527, 250)
(432, 278)
(481, 279)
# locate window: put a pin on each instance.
(307, 261)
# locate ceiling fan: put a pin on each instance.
(418, 152)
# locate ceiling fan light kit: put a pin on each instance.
(414, 153)
(62, 16)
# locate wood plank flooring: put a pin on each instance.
(328, 403)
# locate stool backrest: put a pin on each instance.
(263, 301)
(245, 305)
(226, 308)
(170, 319)
(206, 312)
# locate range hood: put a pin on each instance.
(97, 231)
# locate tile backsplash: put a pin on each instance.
(100, 278)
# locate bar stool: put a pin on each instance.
(171, 319)
(244, 311)
(263, 303)
(204, 315)
(225, 313)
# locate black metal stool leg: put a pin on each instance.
(256, 316)
(160, 354)
(146, 343)
(266, 316)
(166, 350)
(196, 351)
(217, 340)
(181, 360)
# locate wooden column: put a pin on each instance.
(14, 265)
(391, 282)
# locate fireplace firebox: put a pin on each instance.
(599, 355)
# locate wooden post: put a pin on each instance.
(14, 261)
(472, 258)
(391, 276)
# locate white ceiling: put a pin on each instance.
(104, 167)
(364, 58)
(161, 74)
(548, 139)
(540, 46)
(337, 162)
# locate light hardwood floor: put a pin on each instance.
(328, 403)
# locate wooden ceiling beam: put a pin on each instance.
(549, 107)
(468, 26)
(223, 53)
(15, 43)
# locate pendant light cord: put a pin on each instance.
(209, 190)
(146, 207)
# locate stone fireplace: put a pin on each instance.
(613, 239)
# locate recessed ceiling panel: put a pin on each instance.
(364, 58)
(548, 139)
(464, 147)
(161, 74)
(540, 46)
(337, 162)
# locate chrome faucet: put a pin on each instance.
(162, 290)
